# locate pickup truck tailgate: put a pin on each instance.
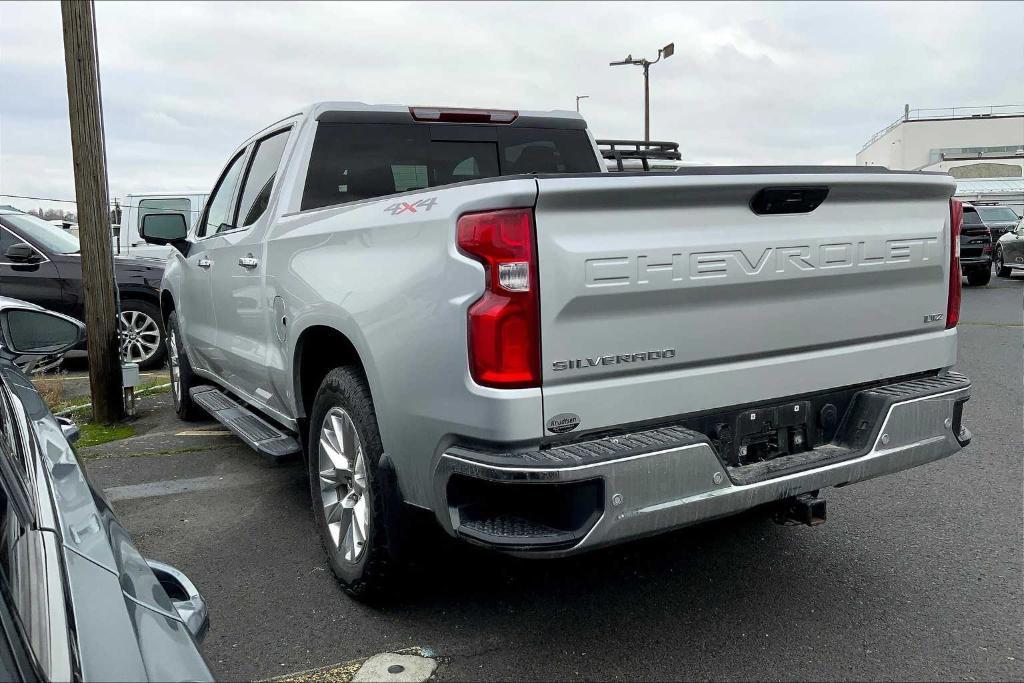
(667, 294)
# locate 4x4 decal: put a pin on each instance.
(403, 207)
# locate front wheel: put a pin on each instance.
(1001, 269)
(142, 334)
(349, 498)
(979, 277)
(182, 378)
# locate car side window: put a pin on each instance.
(10, 444)
(218, 209)
(259, 178)
(7, 238)
(20, 576)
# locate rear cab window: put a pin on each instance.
(971, 217)
(354, 161)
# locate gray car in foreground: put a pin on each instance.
(78, 600)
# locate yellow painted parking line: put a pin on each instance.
(346, 671)
(204, 432)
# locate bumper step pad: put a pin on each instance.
(257, 433)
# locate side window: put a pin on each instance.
(10, 447)
(166, 205)
(6, 240)
(259, 179)
(971, 216)
(218, 207)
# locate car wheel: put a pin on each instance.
(142, 334)
(979, 277)
(182, 378)
(349, 494)
(1001, 269)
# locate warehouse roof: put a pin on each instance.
(989, 186)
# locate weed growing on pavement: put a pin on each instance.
(51, 389)
(93, 434)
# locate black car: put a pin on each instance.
(77, 600)
(999, 219)
(975, 248)
(41, 263)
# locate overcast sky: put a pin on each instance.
(184, 83)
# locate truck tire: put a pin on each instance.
(348, 491)
(1001, 269)
(979, 277)
(142, 334)
(182, 377)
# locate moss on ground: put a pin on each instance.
(93, 434)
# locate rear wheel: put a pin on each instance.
(142, 334)
(979, 277)
(182, 378)
(349, 496)
(1001, 269)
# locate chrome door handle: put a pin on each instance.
(248, 262)
(204, 263)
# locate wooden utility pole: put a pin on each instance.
(90, 159)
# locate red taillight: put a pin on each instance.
(453, 115)
(956, 221)
(504, 324)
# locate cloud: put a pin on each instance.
(184, 83)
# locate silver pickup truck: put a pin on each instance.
(458, 312)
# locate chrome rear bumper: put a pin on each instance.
(666, 478)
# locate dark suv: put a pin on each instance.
(40, 263)
(975, 248)
(999, 219)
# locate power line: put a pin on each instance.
(39, 199)
(113, 203)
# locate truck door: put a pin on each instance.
(239, 274)
(197, 318)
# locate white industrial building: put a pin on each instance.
(968, 142)
(982, 147)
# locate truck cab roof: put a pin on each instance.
(319, 108)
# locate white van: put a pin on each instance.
(127, 241)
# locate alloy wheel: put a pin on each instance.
(172, 360)
(344, 487)
(140, 336)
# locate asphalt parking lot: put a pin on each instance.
(916, 576)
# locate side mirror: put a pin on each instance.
(33, 331)
(19, 252)
(185, 597)
(69, 429)
(165, 228)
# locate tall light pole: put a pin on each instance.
(578, 98)
(665, 53)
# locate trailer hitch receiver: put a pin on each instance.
(806, 509)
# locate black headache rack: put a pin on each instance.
(643, 150)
